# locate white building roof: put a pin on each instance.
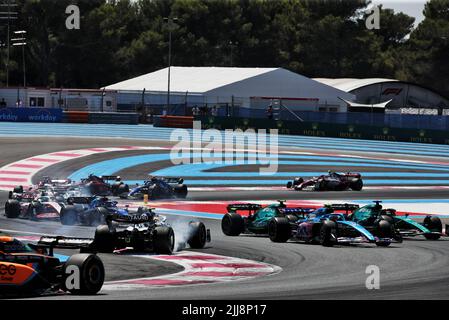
(238, 82)
(349, 84)
(191, 79)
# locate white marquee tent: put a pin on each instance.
(247, 85)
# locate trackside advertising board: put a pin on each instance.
(335, 130)
(31, 114)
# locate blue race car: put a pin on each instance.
(329, 228)
(88, 211)
(159, 188)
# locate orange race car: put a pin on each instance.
(33, 269)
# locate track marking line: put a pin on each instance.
(198, 269)
(38, 162)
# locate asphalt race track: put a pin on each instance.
(415, 269)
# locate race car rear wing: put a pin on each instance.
(173, 180)
(109, 178)
(131, 218)
(64, 243)
(243, 207)
(296, 210)
(80, 200)
(170, 180)
(345, 206)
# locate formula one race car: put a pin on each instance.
(57, 185)
(32, 205)
(27, 269)
(159, 188)
(331, 182)
(328, 228)
(88, 211)
(431, 227)
(18, 191)
(257, 218)
(145, 231)
(101, 186)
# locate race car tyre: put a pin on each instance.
(289, 185)
(434, 224)
(198, 236)
(181, 191)
(387, 218)
(91, 188)
(98, 216)
(279, 229)
(114, 188)
(91, 273)
(357, 185)
(320, 185)
(298, 181)
(151, 192)
(292, 218)
(232, 224)
(122, 189)
(163, 240)
(68, 215)
(18, 189)
(328, 233)
(384, 229)
(12, 208)
(104, 239)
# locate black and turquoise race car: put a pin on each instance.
(431, 227)
(323, 225)
(329, 226)
(257, 217)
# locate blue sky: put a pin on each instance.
(413, 8)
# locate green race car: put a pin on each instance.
(258, 217)
(431, 227)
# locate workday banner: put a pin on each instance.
(31, 114)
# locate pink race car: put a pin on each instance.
(331, 182)
(32, 205)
